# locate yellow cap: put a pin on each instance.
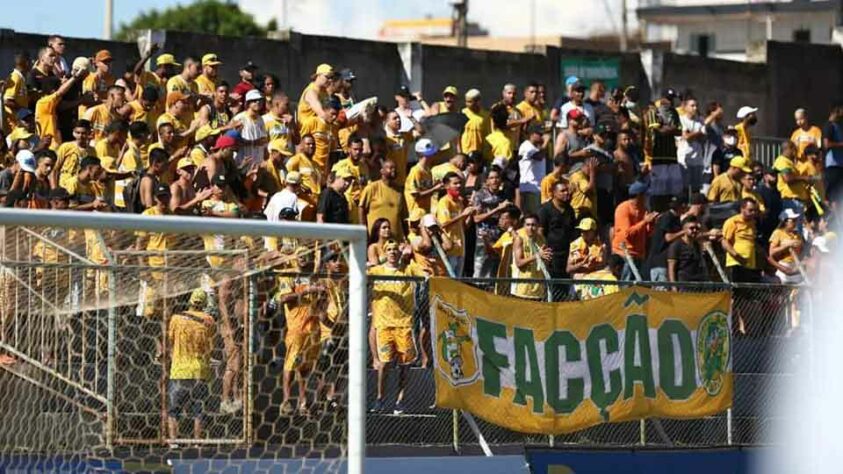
(165, 59)
(587, 224)
(740, 163)
(391, 245)
(206, 131)
(280, 146)
(210, 59)
(450, 90)
(343, 172)
(185, 162)
(325, 69)
(19, 133)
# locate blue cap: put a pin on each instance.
(637, 188)
(571, 80)
(24, 113)
(234, 134)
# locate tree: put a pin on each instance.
(202, 16)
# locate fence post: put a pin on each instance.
(455, 421)
(250, 350)
(111, 361)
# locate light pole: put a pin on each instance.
(107, 19)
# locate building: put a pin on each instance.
(425, 28)
(730, 29)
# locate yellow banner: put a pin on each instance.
(555, 368)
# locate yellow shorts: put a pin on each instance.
(396, 342)
(302, 350)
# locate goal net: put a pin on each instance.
(159, 342)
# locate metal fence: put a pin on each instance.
(764, 320)
(766, 149)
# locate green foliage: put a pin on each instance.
(202, 16)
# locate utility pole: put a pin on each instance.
(461, 22)
(624, 32)
(107, 19)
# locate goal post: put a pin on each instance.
(41, 300)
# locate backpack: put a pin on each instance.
(131, 194)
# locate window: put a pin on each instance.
(702, 44)
(802, 35)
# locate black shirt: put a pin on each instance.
(558, 227)
(666, 223)
(333, 206)
(690, 261)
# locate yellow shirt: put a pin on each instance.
(133, 160)
(148, 78)
(748, 193)
(477, 127)
(528, 110)
(512, 134)
(360, 172)
(724, 189)
(191, 335)
(47, 118)
(150, 117)
(397, 150)
(393, 302)
(447, 209)
(198, 155)
(779, 237)
(205, 85)
(579, 250)
(803, 138)
(806, 167)
(301, 319)
(73, 156)
(531, 290)
(278, 130)
(100, 117)
(270, 178)
(581, 200)
(588, 292)
(741, 235)
(308, 120)
(157, 241)
(310, 176)
(382, 200)
(218, 242)
(498, 145)
(418, 179)
(99, 86)
(337, 302)
(744, 141)
(547, 184)
(793, 190)
(179, 127)
(17, 91)
(178, 83)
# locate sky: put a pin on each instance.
(354, 18)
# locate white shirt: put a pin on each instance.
(279, 201)
(690, 152)
(532, 170)
(252, 130)
(587, 109)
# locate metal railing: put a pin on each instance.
(766, 149)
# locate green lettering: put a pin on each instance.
(491, 360)
(603, 394)
(525, 353)
(576, 386)
(669, 331)
(637, 340)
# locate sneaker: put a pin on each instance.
(287, 408)
(399, 408)
(227, 407)
(377, 406)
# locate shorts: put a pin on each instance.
(302, 350)
(190, 394)
(400, 342)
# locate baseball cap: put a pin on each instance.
(166, 59)
(740, 162)
(472, 94)
(347, 74)
(324, 69)
(206, 131)
(249, 66)
(198, 297)
(224, 141)
(746, 110)
(24, 113)
(26, 160)
(162, 190)
(185, 162)
(788, 214)
(175, 96)
(254, 95)
(103, 55)
(59, 194)
(425, 147)
(450, 90)
(19, 133)
(280, 146)
(571, 80)
(403, 91)
(637, 188)
(210, 59)
(575, 114)
(343, 172)
(293, 177)
(587, 224)
(670, 93)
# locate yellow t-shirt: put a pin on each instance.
(384, 201)
(150, 117)
(779, 236)
(531, 111)
(178, 83)
(300, 315)
(148, 78)
(531, 290)
(447, 209)
(477, 128)
(100, 117)
(82, 192)
(417, 180)
(336, 304)
(741, 234)
(724, 189)
(579, 250)
(278, 130)
(547, 184)
(205, 85)
(47, 118)
(198, 155)
(360, 172)
(73, 156)
(191, 334)
(310, 175)
(99, 86)
(806, 167)
(17, 91)
(802, 138)
(393, 302)
(158, 241)
(588, 292)
(307, 118)
(218, 241)
(397, 150)
(793, 190)
(581, 200)
(498, 145)
(179, 127)
(133, 160)
(744, 141)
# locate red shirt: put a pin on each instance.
(631, 229)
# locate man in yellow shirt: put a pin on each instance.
(186, 84)
(100, 81)
(383, 199)
(805, 134)
(206, 82)
(398, 144)
(145, 109)
(748, 119)
(279, 122)
(103, 114)
(420, 186)
(498, 147)
(159, 243)
(478, 125)
(583, 182)
(15, 94)
(165, 68)
(529, 107)
(793, 187)
(46, 109)
(311, 177)
(739, 233)
(180, 117)
(515, 120)
(84, 194)
(205, 139)
(529, 255)
(726, 187)
(70, 154)
(313, 111)
(135, 158)
(453, 216)
(555, 176)
(393, 305)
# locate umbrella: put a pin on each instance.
(443, 128)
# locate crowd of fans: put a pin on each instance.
(596, 185)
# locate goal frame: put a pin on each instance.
(355, 235)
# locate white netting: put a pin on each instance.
(186, 339)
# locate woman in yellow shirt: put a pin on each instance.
(785, 242)
(381, 233)
(529, 256)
